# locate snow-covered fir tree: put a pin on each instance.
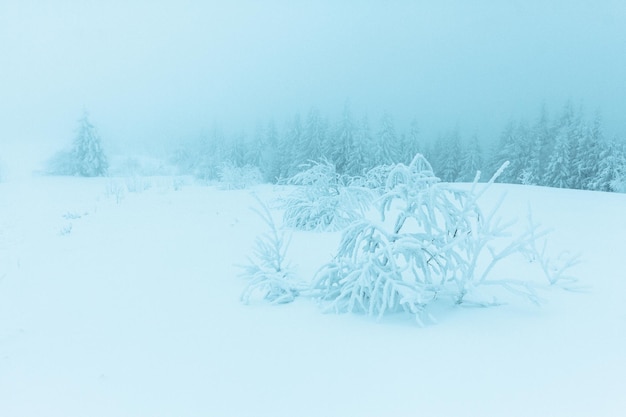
(577, 141)
(269, 158)
(87, 156)
(344, 142)
(515, 147)
(236, 152)
(411, 145)
(361, 158)
(542, 144)
(314, 140)
(448, 157)
(558, 172)
(471, 160)
(610, 167)
(389, 150)
(619, 182)
(293, 138)
(587, 161)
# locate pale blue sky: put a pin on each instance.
(154, 70)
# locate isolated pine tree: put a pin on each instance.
(87, 156)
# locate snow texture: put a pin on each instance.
(136, 312)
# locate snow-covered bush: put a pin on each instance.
(269, 274)
(115, 190)
(232, 177)
(374, 179)
(434, 242)
(137, 184)
(322, 201)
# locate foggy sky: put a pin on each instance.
(150, 71)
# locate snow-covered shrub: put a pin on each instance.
(322, 201)
(268, 272)
(232, 177)
(374, 179)
(137, 184)
(115, 190)
(434, 242)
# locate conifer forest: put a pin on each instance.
(563, 149)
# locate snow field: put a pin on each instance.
(134, 311)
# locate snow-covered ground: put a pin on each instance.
(118, 303)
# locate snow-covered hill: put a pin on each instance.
(118, 303)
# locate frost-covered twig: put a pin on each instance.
(268, 272)
(556, 271)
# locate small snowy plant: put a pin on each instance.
(374, 179)
(433, 242)
(269, 274)
(323, 201)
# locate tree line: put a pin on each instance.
(567, 150)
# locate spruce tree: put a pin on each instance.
(269, 159)
(588, 155)
(412, 145)
(389, 147)
(344, 142)
(87, 156)
(515, 147)
(542, 145)
(612, 161)
(361, 159)
(448, 150)
(578, 155)
(288, 153)
(472, 160)
(558, 172)
(313, 139)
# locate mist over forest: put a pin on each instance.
(157, 75)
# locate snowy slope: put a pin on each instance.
(126, 304)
